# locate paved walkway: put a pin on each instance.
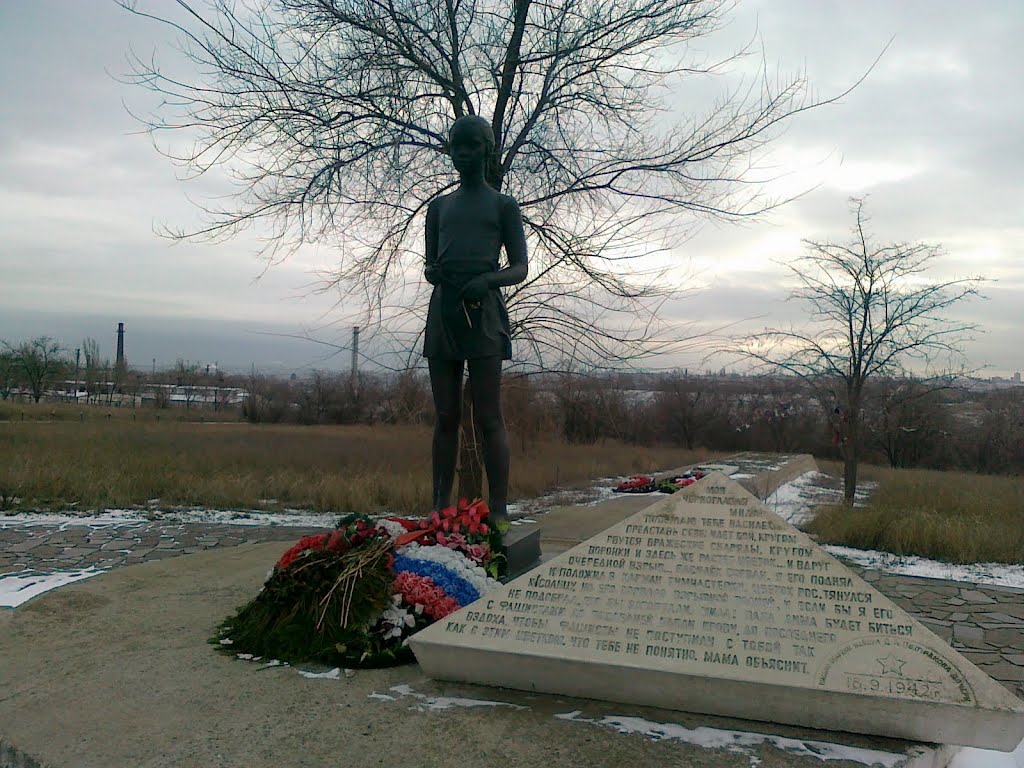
(40, 549)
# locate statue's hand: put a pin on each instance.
(476, 289)
(432, 274)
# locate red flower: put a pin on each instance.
(409, 525)
(316, 541)
(336, 541)
(635, 481)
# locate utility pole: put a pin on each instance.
(78, 355)
(355, 360)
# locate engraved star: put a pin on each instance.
(891, 665)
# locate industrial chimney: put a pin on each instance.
(120, 346)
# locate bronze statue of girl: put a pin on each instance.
(467, 323)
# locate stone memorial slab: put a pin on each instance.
(725, 469)
(708, 602)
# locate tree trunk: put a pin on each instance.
(851, 457)
(471, 468)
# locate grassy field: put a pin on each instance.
(118, 463)
(20, 411)
(950, 516)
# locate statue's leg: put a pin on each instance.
(485, 383)
(446, 387)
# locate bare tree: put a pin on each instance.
(41, 362)
(9, 371)
(873, 314)
(94, 366)
(186, 376)
(681, 404)
(999, 438)
(332, 116)
(908, 420)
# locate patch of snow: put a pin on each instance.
(997, 574)
(381, 697)
(332, 674)
(113, 518)
(437, 703)
(971, 757)
(795, 500)
(740, 742)
(22, 587)
(106, 519)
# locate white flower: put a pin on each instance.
(394, 619)
(457, 562)
(393, 529)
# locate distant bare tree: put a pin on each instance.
(93, 371)
(41, 363)
(873, 314)
(999, 441)
(187, 378)
(405, 399)
(907, 420)
(9, 371)
(681, 404)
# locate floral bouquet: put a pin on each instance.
(353, 596)
(677, 482)
(636, 484)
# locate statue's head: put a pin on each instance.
(470, 143)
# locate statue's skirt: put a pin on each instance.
(458, 330)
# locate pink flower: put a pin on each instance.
(419, 590)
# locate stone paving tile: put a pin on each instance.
(42, 550)
(976, 596)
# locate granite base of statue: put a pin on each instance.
(708, 602)
(522, 549)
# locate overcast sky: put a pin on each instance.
(932, 136)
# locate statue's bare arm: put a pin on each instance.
(513, 238)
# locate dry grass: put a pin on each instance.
(49, 465)
(82, 412)
(951, 516)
